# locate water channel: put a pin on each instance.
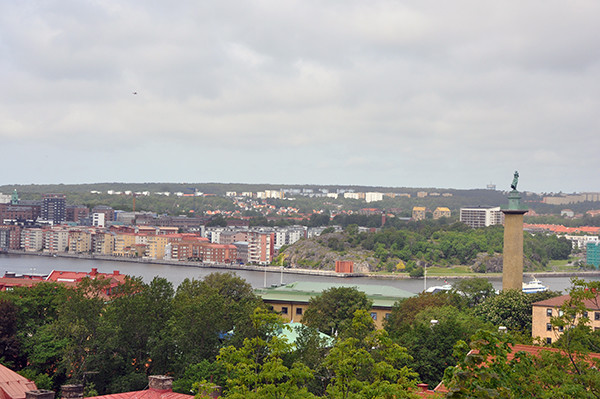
(25, 264)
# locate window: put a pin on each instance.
(548, 327)
(585, 314)
(548, 340)
(387, 315)
(596, 315)
(374, 315)
(560, 329)
(549, 312)
(560, 313)
(299, 311)
(284, 310)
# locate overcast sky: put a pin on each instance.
(449, 94)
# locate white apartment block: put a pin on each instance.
(98, 220)
(581, 241)
(373, 197)
(481, 216)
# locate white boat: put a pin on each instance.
(439, 288)
(534, 286)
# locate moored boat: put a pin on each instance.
(534, 286)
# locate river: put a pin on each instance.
(22, 264)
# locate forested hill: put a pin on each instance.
(476, 196)
(420, 244)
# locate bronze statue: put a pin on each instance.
(515, 181)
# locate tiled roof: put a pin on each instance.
(146, 394)
(590, 304)
(12, 385)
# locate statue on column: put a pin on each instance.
(515, 181)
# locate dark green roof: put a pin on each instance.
(302, 291)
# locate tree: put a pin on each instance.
(511, 309)
(489, 368)
(404, 311)
(367, 364)
(257, 369)
(130, 330)
(475, 290)
(431, 345)
(10, 353)
(332, 311)
(204, 312)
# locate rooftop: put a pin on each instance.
(13, 385)
(302, 291)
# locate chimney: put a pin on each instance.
(160, 383)
(39, 394)
(94, 271)
(71, 391)
(116, 272)
(424, 387)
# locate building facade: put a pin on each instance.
(543, 311)
(476, 217)
(54, 208)
(592, 255)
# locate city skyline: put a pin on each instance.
(446, 95)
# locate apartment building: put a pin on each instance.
(156, 246)
(103, 242)
(77, 213)
(32, 240)
(418, 213)
(592, 256)
(260, 247)
(10, 237)
(543, 311)
(481, 216)
(124, 244)
(54, 208)
(373, 197)
(441, 212)
(56, 240)
(80, 241)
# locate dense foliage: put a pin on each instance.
(438, 243)
(216, 331)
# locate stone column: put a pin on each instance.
(512, 269)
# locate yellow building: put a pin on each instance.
(124, 242)
(418, 213)
(156, 246)
(543, 311)
(80, 241)
(291, 300)
(103, 243)
(441, 212)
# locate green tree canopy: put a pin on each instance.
(333, 310)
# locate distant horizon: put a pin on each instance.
(292, 185)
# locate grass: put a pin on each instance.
(449, 271)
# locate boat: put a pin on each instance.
(439, 288)
(534, 286)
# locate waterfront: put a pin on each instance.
(22, 264)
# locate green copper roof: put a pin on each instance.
(302, 291)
